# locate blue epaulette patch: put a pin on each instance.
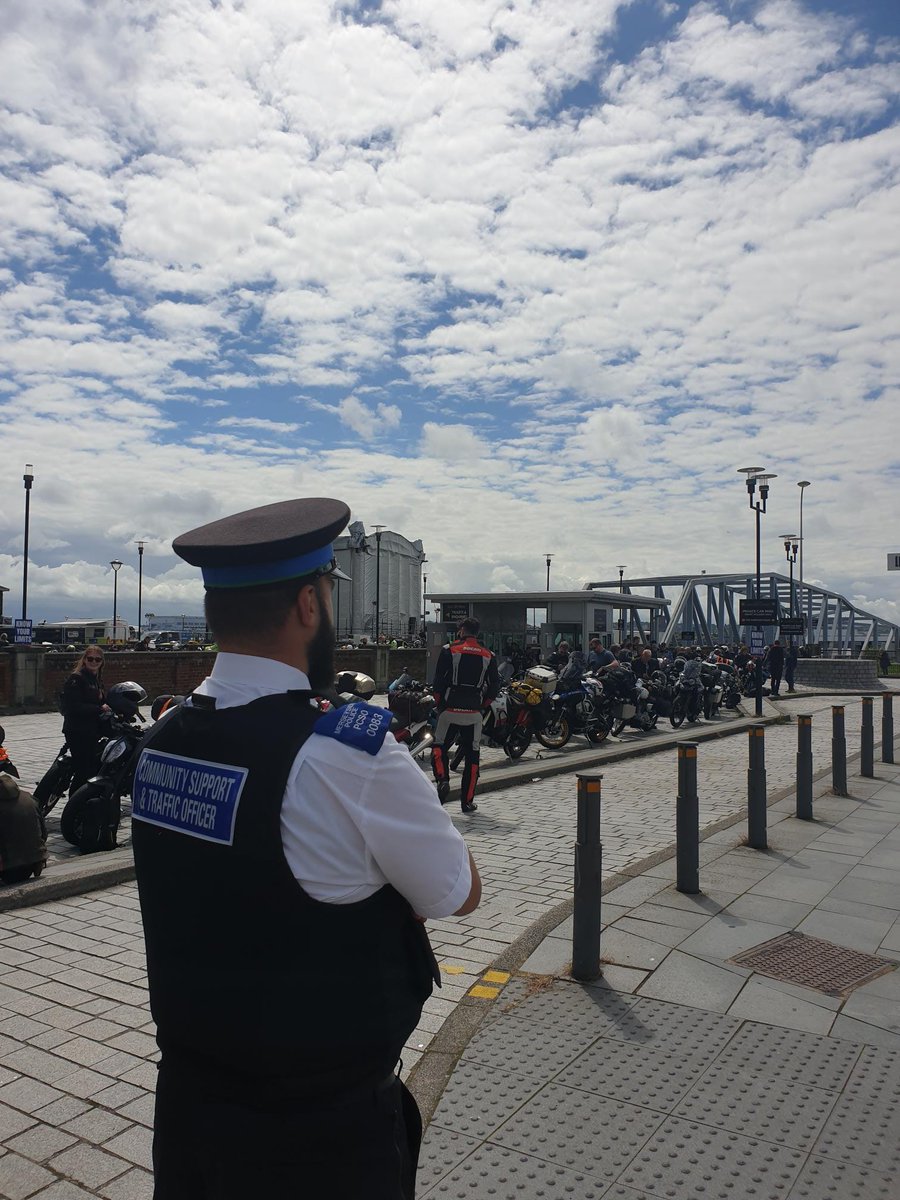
(361, 725)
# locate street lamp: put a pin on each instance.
(378, 531)
(756, 475)
(140, 546)
(424, 591)
(29, 480)
(802, 485)
(791, 546)
(548, 557)
(116, 566)
(621, 569)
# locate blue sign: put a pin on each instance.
(757, 642)
(188, 795)
(22, 632)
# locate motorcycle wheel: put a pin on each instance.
(556, 733)
(599, 735)
(78, 817)
(517, 744)
(54, 785)
(421, 743)
(679, 712)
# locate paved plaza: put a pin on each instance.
(76, 1041)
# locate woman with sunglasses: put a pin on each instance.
(83, 701)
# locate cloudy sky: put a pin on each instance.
(509, 276)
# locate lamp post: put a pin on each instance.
(802, 485)
(791, 545)
(424, 591)
(621, 569)
(29, 480)
(548, 557)
(116, 566)
(756, 475)
(140, 546)
(378, 532)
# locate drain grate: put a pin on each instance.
(810, 962)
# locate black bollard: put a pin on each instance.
(804, 768)
(867, 740)
(838, 751)
(756, 790)
(887, 727)
(687, 822)
(588, 871)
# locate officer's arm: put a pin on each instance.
(474, 897)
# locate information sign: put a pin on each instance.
(757, 642)
(790, 626)
(894, 562)
(22, 634)
(454, 612)
(759, 612)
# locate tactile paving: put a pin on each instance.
(569, 1005)
(675, 1026)
(505, 1174)
(864, 1132)
(814, 963)
(635, 1073)
(774, 1110)
(791, 1054)
(478, 1099)
(826, 1179)
(579, 1131)
(441, 1151)
(876, 1076)
(538, 1051)
(687, 1160)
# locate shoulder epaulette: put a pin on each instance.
(363, 726)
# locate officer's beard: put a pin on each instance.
(321, 654)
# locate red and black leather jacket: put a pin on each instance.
(466, 677)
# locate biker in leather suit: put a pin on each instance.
(466, 680)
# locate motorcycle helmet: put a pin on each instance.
(124, 698)
(356, 683)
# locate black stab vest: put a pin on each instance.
(251, 979)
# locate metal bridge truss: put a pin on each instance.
(708, 606)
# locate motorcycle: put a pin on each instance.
(90, 819)
(412, 704)
(713, 689)
(687, 703)
(579, 708)
(509, 721)
(54, 783)
(628, 702)
(731, 696)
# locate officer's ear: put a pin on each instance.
(308, 605)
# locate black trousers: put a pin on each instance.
(361, 1146)
(85, 758)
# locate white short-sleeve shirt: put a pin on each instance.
(352, 821)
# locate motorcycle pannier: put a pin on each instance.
(525, 692)
(409, 706)
(543, 678)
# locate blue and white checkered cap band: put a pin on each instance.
(256, 574)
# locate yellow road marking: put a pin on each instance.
(484, 993)
(496, 977)
(449, 969)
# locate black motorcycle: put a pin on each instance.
(55, 782)
(687, 703)
(627, 701)
(578, 707)
(91, 818)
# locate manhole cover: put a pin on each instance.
(796, 958)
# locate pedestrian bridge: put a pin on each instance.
(706, 609)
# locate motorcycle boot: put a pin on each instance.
(440, 772)
(470, 781)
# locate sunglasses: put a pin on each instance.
(93, 658)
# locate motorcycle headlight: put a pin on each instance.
(114, 750)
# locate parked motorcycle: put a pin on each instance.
(580, 708)
(713, 689)
(628, 702)
(55, 782)
(412, 704)
(687, 703)
(91, 817)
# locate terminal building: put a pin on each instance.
(385, 587)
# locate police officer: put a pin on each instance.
(465, 680)
(286, 861)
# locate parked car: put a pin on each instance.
(167, 639)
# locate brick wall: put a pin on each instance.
(179, 671)
(852, 674)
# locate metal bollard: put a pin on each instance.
(756, 790)
(887, 727)
(687, 822)
(588, 871)
(838, 751)
(867, 740)
(804, 768)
